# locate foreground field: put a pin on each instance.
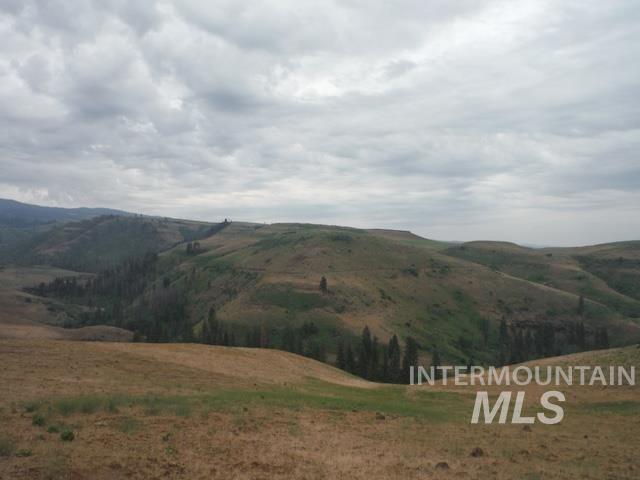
(191, 411)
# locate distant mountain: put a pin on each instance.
(20, 215)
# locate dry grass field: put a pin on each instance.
(193, 411)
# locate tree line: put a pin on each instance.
(519, 343)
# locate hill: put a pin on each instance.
(103, 242)
(18, 215)
(194, 411)
(259, 285)
(608, 273)
(262, 283)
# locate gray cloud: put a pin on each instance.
(458, 120)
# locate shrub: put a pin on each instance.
(6, 447)
(53, 429)
(67, 435)
(38, 420)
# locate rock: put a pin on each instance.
(477, 452)
(526, 428)
(380, 416)
(442, 466)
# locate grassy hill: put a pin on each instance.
(103, 242)
(264, 280)
(17, 214)
(608, 274)
(105, 410)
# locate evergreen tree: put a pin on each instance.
(341, 360)
(323, 285)
(436, 362)
(350, 359)
(374, 364)
(385, 375)
(394, 359)
(365, 357)
(581, 338)
(410, 357)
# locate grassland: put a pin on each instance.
(189, 411)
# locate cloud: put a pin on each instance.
(459, 120)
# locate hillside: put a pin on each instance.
(193, 411)
(17, 214)
(608, 273)
(451, 298)
(103, 242)
(483, 301)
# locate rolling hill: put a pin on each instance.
(17, 214)
(451, 298)
(105, 410)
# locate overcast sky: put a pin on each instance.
(458, 120)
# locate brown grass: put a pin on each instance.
(249, 440)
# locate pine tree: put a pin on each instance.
(350, 359)
(374, 364)
(323, 285)
(394, 359)
(436, 362)
(410, 357)
(384, 373)
(341, 361)
(365, 356)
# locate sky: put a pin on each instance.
(465, 120)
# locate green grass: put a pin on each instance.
(289, 299)
(394, 400)
(626, 408)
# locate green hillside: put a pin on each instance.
(608, 274)
(259, 285)
(102, 242)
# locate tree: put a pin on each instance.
(374, 362)
(581, 305)
(384, 373)
(210, 329)
(503, 343)
(436, 362)
(581, 338)
(410, 357)
(350, 359)
(366, 353)
(602, 338)
(394, 359)
(323, 285)
(485, 328)
(341, 360)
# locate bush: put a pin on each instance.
(38, 420)
(6, 447)
(67, 436)
(53, 429)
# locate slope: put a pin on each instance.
(192, 411)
